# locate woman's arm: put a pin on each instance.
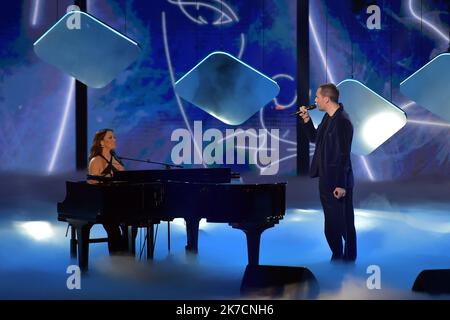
(117, 165)
(96, 166)
(95, 169)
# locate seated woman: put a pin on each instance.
(103, 164)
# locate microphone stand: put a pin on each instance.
(167, 165)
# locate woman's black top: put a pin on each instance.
(110, 169)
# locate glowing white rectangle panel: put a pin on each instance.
(430, 86)
(374, 119)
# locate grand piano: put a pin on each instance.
(144, 198)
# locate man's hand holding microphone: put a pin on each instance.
(303, 113)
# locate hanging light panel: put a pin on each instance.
(87, 49)
(374, 119)
(430, 86)
(227, 88)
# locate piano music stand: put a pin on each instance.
(166, 165)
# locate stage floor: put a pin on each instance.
(399, 235)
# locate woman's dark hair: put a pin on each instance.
(96, 147)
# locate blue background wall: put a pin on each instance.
(36, 100)
(382, 59)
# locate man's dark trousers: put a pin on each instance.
(339, 222)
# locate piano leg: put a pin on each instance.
(253, 234)
(73, 242)
(131, 239)
(168, 236)
(192, 234)
(82, 230)
(150, 242)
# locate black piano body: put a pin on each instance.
(145, 198)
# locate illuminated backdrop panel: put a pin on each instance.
(36, 99)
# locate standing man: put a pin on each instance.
(332, 164)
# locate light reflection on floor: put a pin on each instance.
(34, 255)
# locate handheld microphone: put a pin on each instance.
(310, 107)
(115, 156)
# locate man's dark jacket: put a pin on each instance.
(333, 144)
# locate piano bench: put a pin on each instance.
(98, 240)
